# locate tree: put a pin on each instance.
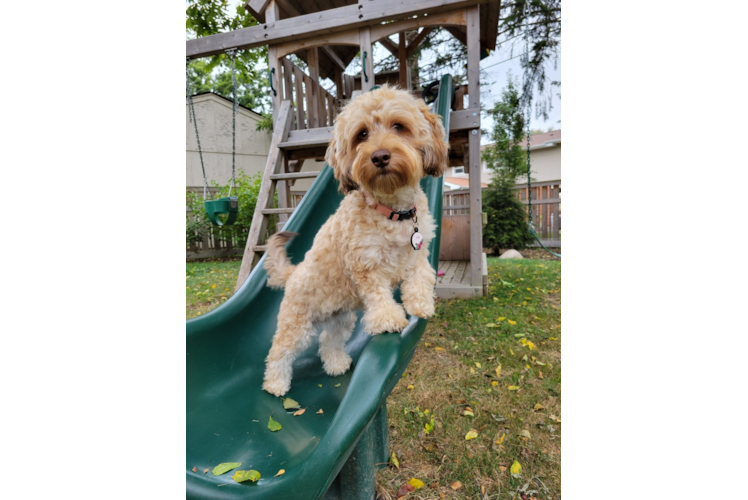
(507, 216)
(213, 74)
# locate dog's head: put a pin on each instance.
(386, 139)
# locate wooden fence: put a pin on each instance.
(546, 211)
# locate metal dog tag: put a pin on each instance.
(416, 240)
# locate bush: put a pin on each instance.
(507, 219)
(246, 189)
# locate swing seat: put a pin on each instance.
(229, 205)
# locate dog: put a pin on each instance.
(384, 142)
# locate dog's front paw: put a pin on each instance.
(335, 362)
(421, 308)
(385, 319)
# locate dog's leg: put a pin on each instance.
(418, 288)
(382, 314)
(294, 334)
(337, 331)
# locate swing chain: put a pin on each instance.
(232, 54)
(528, 112)
(193, 119)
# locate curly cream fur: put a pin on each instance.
(358, 255)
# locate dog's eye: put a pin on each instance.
(363, 135)
(397, 127)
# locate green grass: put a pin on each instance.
(446, 380)
(209, 284)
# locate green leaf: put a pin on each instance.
(337, 385)
(246, 475)
(225, 467)
(273, 425)
(290, 404)
(429, 426)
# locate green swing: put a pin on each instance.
(230, 204)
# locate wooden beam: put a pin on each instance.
(417, 40)
(289, 9)
(387, 44)
(464, 120)
(329, 21)
(334, 57)
(273, 64)
(257, 5)
(476, 202)
(349, 37)
(462, 37)
(403, 60)
(367, 62)
(455, 17)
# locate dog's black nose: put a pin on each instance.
(381, 158)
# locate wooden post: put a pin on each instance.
(476, 202)
(367, 66)
(403, 59)
(338, 83)
(312, 60)
(272, 15)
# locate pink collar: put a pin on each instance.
(394, 215)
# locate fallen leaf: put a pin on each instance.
(445, 324)
(205, 471)
(273, 425)
(416, 483)
(319, 385)
(429, 426)
(511, 352)
(540, 375)
(501, 318)
(246, 475)
(280, 473)
(472, 370)
(502, 468)
(554, 418)
(449, 375)
(499, 418)
(438, 348)
(404, 490)
(299, 412)
(472, 434)
(290, 404)
(320, 412)
(477, 364)
(525, 434)
(494, 383)
(516, 468)
(511, 322)
(411, 387)
(426, 344)
(456, 485)
(394, 461)
(513, 388)
(337, 385)
(490, 325)
(531, 345)
(501, 439)
(498, 371)
(194, 469)
(538, 407)
(225, 467)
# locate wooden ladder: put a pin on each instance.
(277, 170)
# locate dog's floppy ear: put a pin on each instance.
(436, 151)
(342, 173)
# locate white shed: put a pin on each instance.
(214, 127)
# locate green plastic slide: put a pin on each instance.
(331, 450)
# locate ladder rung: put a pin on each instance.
(260, 248)
(294, 175)
(271, 211)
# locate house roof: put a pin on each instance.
(537, 141)
(229, 100)
(461, 182)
